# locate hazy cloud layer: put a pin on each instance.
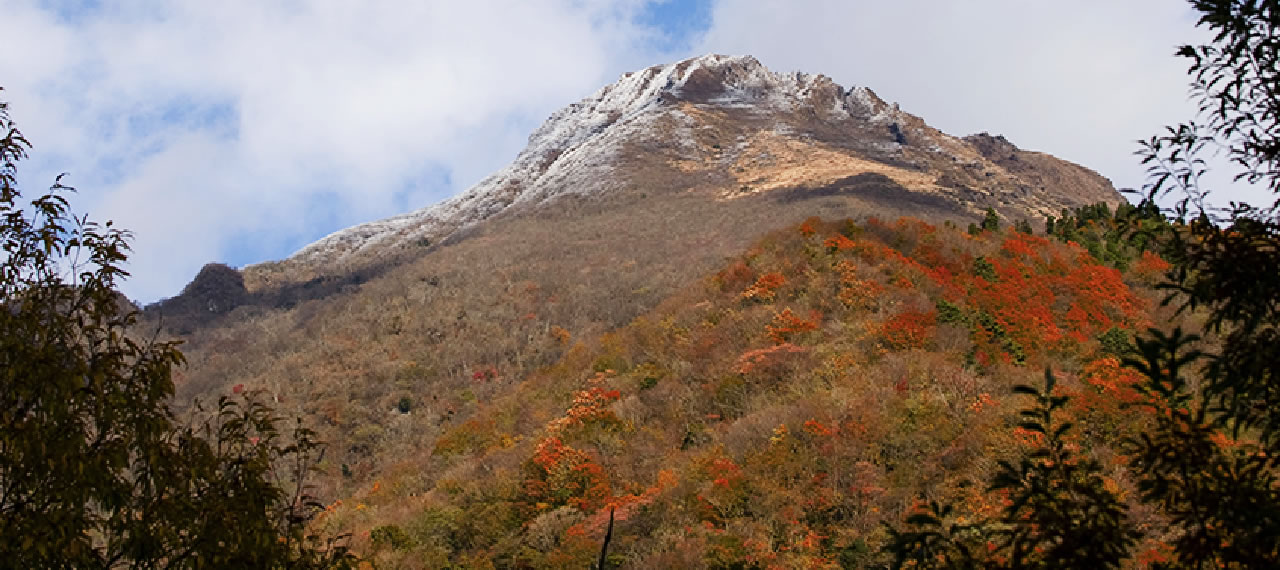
(240, 130)
(1082, 80)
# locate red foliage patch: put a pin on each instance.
(856, 293)
(590, 404)
(1113, 380)
(561, 475)
(816, 428)
(1036, 296)
(786, 325)
(766, 357)
(1151, 266)
(725, 473)
(1020, 245)
(838, 243)
(485, 374)
(911, 329)
(765, 288)
(807, 229)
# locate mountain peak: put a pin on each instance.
(739, 81)
(704, 79)
(728, 124)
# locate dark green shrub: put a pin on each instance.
(1115, 342)
(390, 536)
(984, 269)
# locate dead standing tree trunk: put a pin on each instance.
(604, 547)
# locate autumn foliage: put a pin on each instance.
(780, 413)
(562, 475)
(911, 329)
(786, 325)
(765, 288)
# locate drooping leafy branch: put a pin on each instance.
(96, 470)
(1058, 512)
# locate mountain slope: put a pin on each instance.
(777, 412)
(389, 335)
(729, 127)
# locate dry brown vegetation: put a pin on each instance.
(422, 328)
(488, 350)
(429, 366)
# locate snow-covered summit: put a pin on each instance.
(575, 150)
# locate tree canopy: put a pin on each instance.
(96, 469)
(1209, 463)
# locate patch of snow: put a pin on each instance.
(863, 103)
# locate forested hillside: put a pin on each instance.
(713, 316)
(779, 411)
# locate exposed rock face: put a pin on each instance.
(730, 127)
(1053, 178)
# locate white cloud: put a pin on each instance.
(1082, 80)
(209, 127)
(240, 130)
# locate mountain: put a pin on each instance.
(432, 348)
(728, 128)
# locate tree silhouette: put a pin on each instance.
(1223, 499)
(1210, 462)
(96, 469)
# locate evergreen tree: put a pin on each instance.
(991, 221)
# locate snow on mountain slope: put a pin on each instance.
(740, 129)
(576, 148)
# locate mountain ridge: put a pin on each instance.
(583, 149)
(705, 151)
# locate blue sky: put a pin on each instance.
(71, 11)
(683, 22)
(238, 131)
